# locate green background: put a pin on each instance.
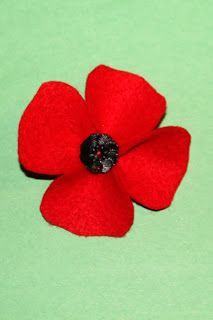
(163, 268)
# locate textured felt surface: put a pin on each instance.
(88, 204)
(52, 128)
(153, 170)
(123, 105)
(162, 269)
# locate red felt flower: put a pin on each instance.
(80, 141)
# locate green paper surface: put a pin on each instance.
(163, 268)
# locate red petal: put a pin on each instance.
(123, 105)
(52, 128)
(154, 170)
(88, 205)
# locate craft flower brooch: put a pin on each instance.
(104, 151)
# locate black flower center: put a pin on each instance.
(99, 153)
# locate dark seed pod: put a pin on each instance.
(99, 153)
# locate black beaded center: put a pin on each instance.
(99, 153)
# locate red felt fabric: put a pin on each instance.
(88, 204)
(153, 171)
(52, 128)
(123, 104)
